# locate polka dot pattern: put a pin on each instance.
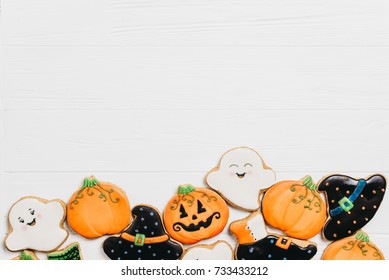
(366, 204)
(266, 249)
(148, 222)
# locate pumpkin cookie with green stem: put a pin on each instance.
(295, 207)
(98, 208)
(194, 214)
(356, 247)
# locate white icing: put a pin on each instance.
(220, 251)
(36, 225)
(256, 225)
(243, 190)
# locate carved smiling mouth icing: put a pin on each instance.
(32, 223)
(241, 175)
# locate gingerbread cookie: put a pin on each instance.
(36, 224)
(72, 252)
(356, 247)
(194, 214)
(295, 207)
(98, 208)
(144, 239)
(352, 203)
(220, 250)
(255, 243)
(240, 177)
(26, 255)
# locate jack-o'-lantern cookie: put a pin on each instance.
(356, 247)
(220, 250)
(36, 224)
(98, 208)
(295, 207)
(144, 239)
(194, 214)
(240, 178)
(352, 203)
(72, 252)
(255, 243)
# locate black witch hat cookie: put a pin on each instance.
(144, 239)
(352, 203)
(255, 243)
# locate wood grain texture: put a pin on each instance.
(149, 94)
(195, 23)
(181, 140)
(225, 78)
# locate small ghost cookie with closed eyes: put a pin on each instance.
(36, 224)
(241, 177)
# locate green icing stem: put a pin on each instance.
(185, 189)
(90, 182)
(308, 182)
(25, 257)
(362, 236)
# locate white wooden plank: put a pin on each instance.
(155, 189)
(223, 78)
(182, 140)
(200, 23)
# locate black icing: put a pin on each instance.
(192, 227)
(266, 249)
(365, 206)
(148, 222)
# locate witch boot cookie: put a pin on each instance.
(255, 243)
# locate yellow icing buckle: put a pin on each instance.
(139, 239)
(346, 204)
(283, 242)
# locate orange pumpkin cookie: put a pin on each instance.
(295, 207)
(194, 214)
(98, 208)
(356, 247)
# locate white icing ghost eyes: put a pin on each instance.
(219, 250)
(240, 177)
(36, 224)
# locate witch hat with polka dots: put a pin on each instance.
(352, 203)
(144, 239)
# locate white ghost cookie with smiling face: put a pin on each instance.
(240, 177)
(36, 224)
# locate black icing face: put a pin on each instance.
(157, 244)
(241, 170)
(29, 218)
(205, 219)
(267, 249)
(352, 203)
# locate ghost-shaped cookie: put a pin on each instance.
(220, 250)
(240, 177)
(36, 224)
